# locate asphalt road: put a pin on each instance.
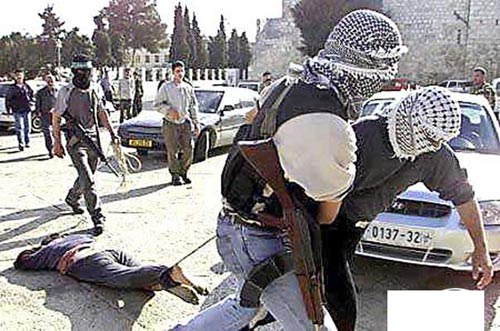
(157, 223)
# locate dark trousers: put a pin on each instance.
(46, 124)
(339, 243)
(125, 110)
(114, 268)
(85, 161)
(136, 106)
(179, 144)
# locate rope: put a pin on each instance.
(195, 250)
(126, 163)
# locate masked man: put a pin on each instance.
(81, 103)
(306, 121)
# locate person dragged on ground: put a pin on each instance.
(77, 256)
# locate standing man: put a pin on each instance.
(267, 79)
(177, 102)
(125, 92)
(138, 93)
(106, 86)
(80, 103)
(306, 119)
(45, 100)
(17, 101)
(481, 87)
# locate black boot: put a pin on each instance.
(176, 181)
(75, 206)
(186, 179)
(98, 221)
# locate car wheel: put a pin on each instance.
(142, 152)
(36, 124)
(202, 147)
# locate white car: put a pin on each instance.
(419, 227)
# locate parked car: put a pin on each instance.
(7, 120)
(221, 112)
(419, 227)
(457, 85)
(397, 84)
(250, 85)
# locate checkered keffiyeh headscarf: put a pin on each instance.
(421, 121)
(362, 52)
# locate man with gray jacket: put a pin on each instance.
(177, 102)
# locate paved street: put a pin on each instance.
(156, 223)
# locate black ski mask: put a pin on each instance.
(81, 78)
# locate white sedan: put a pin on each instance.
(419, 227)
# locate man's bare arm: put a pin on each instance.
(482, 266)
(328, 211)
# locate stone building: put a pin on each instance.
(446, 38)
(276, 44)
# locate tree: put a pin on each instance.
(179, 49)
(72, 43)
(201, 59)
(102, 42)
(137, 23)
(233, 50)
(217, 48)
(189, 38)
(316, 19)
(245, 55)
(52, 32)
(18, 51)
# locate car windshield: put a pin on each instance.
(477, 132)
(209, 101)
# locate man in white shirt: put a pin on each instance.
(177, 102)
(125, 93)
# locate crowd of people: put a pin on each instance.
(337, 175)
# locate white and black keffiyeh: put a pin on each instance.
(361, 53)
(421, 121)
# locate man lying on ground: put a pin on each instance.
(76, 256)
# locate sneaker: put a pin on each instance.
(74, 206)
(98, 229)
(51, 156)
(27, 145)
(176, 181)
(186, 179)
(21, 148)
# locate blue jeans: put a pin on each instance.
(242, 248)
(23, 126)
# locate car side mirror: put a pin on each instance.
(225, 109)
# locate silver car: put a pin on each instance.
(419, 227)
(221, 112)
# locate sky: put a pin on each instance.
(22, 15)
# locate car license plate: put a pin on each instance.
(140, 143)
(385, 233)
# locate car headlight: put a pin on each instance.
(490, 210)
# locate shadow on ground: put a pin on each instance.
(50, 213)
(88, 307)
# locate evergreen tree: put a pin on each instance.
(233, 50)
(102, 42)
(316, 19)
(52, 32)
(179, 49)
(201, 58)
(18, 51)
(218, 48)
(245, 55)
(189, 38)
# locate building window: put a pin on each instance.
(166, 59)
(157, 59)
(147, 59)
(459, 36)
